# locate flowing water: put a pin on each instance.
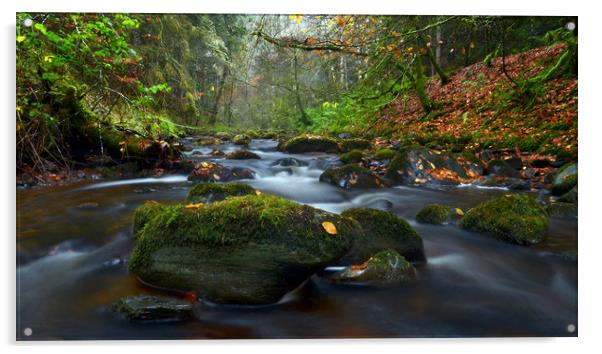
(73, 243)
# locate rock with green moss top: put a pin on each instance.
(382, 230)
(241, 139)
(565, 179)
(351, 176)
(562, 210)
(207, 140)
(145, 308)
(208, 192)
(144, 213)
(438, 214)
(213, 172)
(384, 154)
(419, 165)
(514, 218)
(243, 250)
(347, 145)
(224, 136)
(570, 196)
(353, 156)
(242, 155)
(309, 143)
(385, 268)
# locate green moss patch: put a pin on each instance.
(209, 192)
(310, 143)
(353, 156)
(347, 145)
(437, 214)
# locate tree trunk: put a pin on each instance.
(304, 118)
(420, 85)
(218, 96)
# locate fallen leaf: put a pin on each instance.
(329, 227)
(459, 212)
(194, 206)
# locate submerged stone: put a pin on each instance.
(514, 218)
(243, 250)
(209, 192)
(351, 176)
(310, 143)
(382, 230)
(385, 268)
(145, 308)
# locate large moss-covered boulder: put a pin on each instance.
(309, 143)
(385, 268)
(514, 218)
(146, 308)
(347, 145)
(213, 172)
(242, 155)
(144, 213)
(384, 154)
(382, 230)
(209, 192)
(565, 179)
(243, 250)
(351, 176)
(438, 214)
(241, 139)
(353, 156)
(418, 165)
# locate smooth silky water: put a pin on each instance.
(73, 243)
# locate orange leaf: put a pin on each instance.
(329, 227)
(194, 206)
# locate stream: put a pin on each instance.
(73, 243)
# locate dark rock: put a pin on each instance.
(309, 143)
(565, 179)
(562, 209)
(289, 162)
(570, 196)
(213, 172)
(514, 218)
(382, 230)
(351, 176)
(209, 192)
(347, 145)
(541, 163)
(519, 185)
(501, 168)
(242, 155)
(243, 250)
(145, 308)
(515, 162)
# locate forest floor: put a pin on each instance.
(479, 109)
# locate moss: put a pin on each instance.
(242, 155)
(384, 154)
(385, 268)
(514, 218)
(208, 192)
(144, 214)
(224, 136)
(351, 176)
(436, 214)
(565, 179)
(241, 139)
(383, 230)
(209, 141)
(562, 209)
(352, 156)
(147, 308)
(310, 143)
(347, 145)
(400, 163)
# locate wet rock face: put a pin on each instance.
(501, 167)
(243, 250)
(351, 176)
(565, 179)
(242, 155)
(385, 268)
(213, 172)
(513, 218)
(438, 214)
(382, 230)
(289, 162)
(309, 143)
(145, 308)
(418, 165)
(209, 192)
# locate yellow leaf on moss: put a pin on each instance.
(194, 206)
(329, 227)
(459, 212)
(20, 39)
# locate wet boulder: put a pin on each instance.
(213, 172)
(501, 167)
(241, 139)
(309, 143)
(347, 145)
(209, 192)
(353, 156)
(242, 250)
(351, 176)
(513, 218)
(385, 268)
(418, 165)
(565, 179)
(289, 162)
(514, 161)
(144, 213)
(382, 230)
(438, 214)
(242, 155)
(209, 141)
(570, 196)
(224, 136)
(145, 308)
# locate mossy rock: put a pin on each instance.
(213, 172)
(242, 155)
(351, 176)
(347, 145)
(563, 210)
(309, 143)
(382, 230)
(514, 218)
(565, 179)
(241, 139)
(145, 308)
(224, 136)
(242, 250)
(438, 214)
(144, 213)
(500, 167)
(570, 196)
(384, 154)
(385, 268)
(209, 141)
(209, 192)
(353, 156)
